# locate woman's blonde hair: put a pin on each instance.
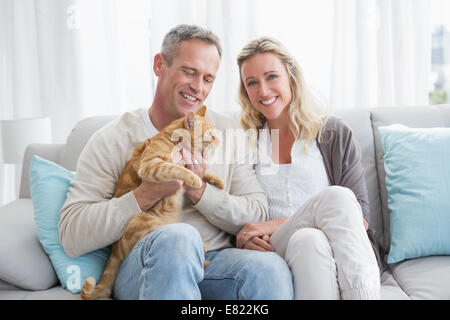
(305, 111)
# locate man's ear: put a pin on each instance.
(158, 64)
(201, 111)
(189, 120)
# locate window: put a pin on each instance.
(440, 54)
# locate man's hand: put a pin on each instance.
(197, 164)
(148, 193)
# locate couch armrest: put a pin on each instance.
(23, 262)
(47, 151)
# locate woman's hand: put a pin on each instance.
(366, 224)
(259, 243)
(258, 230)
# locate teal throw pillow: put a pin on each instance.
(417, 165)
(49, 184)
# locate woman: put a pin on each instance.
(318, 202)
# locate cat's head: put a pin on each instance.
(196, 131)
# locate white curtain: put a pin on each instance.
(381, 54)
(70, 59)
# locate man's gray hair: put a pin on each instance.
(184, 32)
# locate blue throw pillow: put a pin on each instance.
(417, 165)
(49, 184)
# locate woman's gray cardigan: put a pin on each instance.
(342, 158)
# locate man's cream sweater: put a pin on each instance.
(91, 218)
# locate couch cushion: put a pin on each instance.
(7, 286)
(55, 293)
(78, 138)
(425, 278)
(417, 166)
(23, 263)
(415, 117)
(49, 185)
(390, 290)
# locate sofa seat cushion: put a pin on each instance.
(23, 262)
(390, 290)
(426, 278)
(55, 293)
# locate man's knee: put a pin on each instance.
(176, 238)
(269, 277)
(180, 232)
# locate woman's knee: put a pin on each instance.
(340, 193)
(307, 241)
(344, 200)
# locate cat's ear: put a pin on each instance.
(201, 111)
(189, 120)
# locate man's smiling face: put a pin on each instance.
(187, 82)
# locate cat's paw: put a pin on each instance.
(194, 181)
(218, 184)
(206, 262)
(213, 180)
(88, 288)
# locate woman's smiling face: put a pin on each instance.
(267, 84)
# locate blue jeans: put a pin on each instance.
(168, 264)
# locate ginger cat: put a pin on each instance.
(151, 161)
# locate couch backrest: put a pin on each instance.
(364, 124)
(78, 138)
(415, 117)
(66, 154)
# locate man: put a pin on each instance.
(168, 263)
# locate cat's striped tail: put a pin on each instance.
(90, 291)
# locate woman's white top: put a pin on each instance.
(289, 186)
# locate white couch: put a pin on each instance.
(26, 271)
